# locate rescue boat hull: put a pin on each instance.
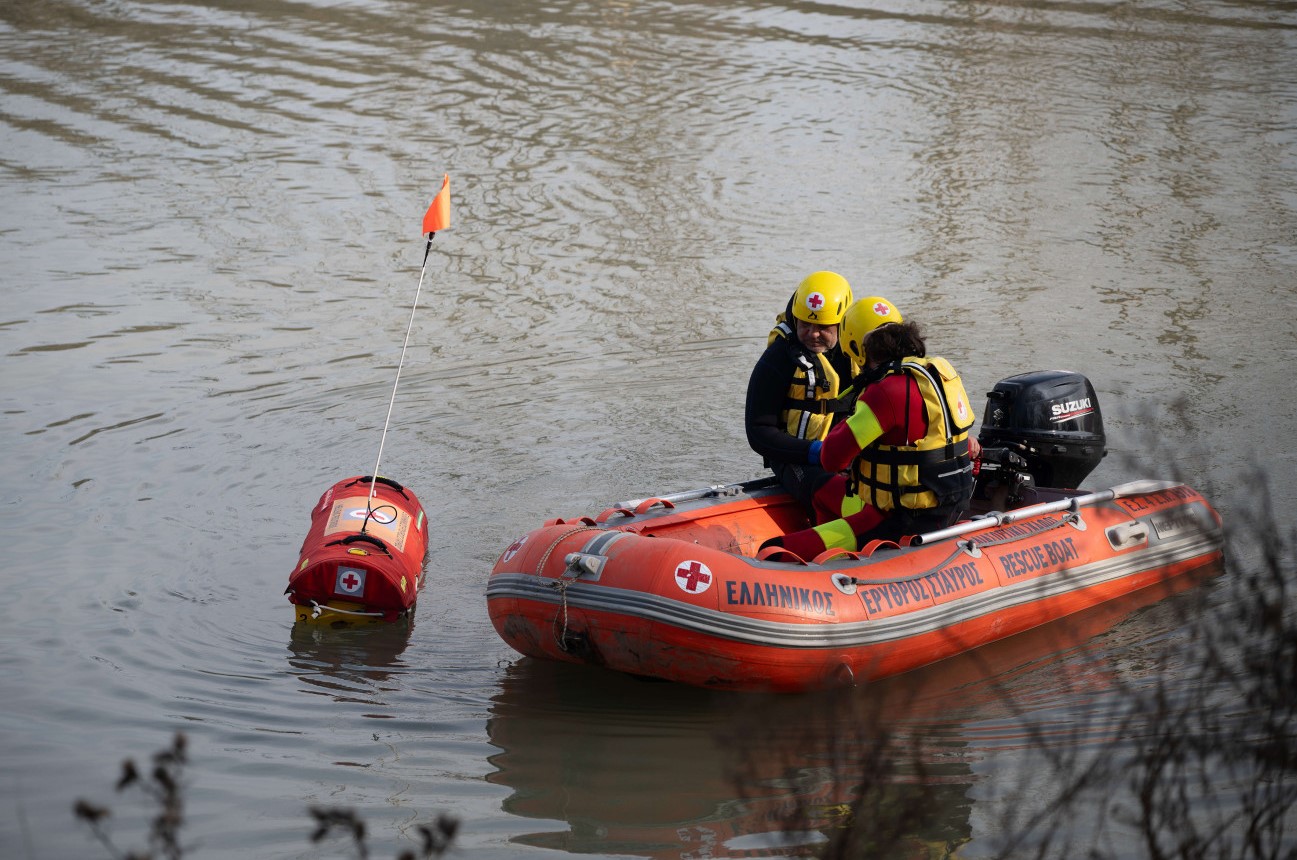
(677, 589)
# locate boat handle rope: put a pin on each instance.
(909, 577)
(560, 633)
(540, 566)
(560, 585)
(366, 538)
(972, 548)
(370, 479)
(316, 609)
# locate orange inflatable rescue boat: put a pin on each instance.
(675, 587)
(362, 560)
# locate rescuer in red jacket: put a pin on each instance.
(905, 449)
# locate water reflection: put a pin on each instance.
(618, 765)
(635, 767)
(665, 771)
(355, 665)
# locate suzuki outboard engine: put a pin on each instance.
(1049, 418)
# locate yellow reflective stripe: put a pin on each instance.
(852, 505)
(837, 533)
(805, 423)
(864, 425)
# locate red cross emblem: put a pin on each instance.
(815, 301)
(881, 309)
(350, 581)
(693, 577)
(513, 548)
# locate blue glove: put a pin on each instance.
(814, 456)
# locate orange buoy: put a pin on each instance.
(362, 560)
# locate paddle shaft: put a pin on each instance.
(999, 518)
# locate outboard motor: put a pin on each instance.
(1050, 419)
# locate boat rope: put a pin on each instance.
(560, 585)
(1029, 530)
(373, 487)
(317, 609)
(973, 548)
(560, 633)
(540, 566)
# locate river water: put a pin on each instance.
(210, 245)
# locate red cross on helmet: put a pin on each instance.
(862, 318)
(822, 298)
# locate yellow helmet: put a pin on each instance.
(863, 317)
(822, 298)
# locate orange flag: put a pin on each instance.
(438, 215)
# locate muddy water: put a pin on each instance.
(210, 246)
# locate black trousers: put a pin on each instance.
(802, 481)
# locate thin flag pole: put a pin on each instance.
(436, 218)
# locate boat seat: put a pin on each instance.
(836, 552)
(769, 554)
(874, 545)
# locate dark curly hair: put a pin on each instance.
(895, 341)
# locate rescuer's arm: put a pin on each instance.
(767, 392)
(849, 438)
(876, 413)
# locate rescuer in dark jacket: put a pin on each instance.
(801, 384)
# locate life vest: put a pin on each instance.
(814, 396)
(783, 329)
(931, 472)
